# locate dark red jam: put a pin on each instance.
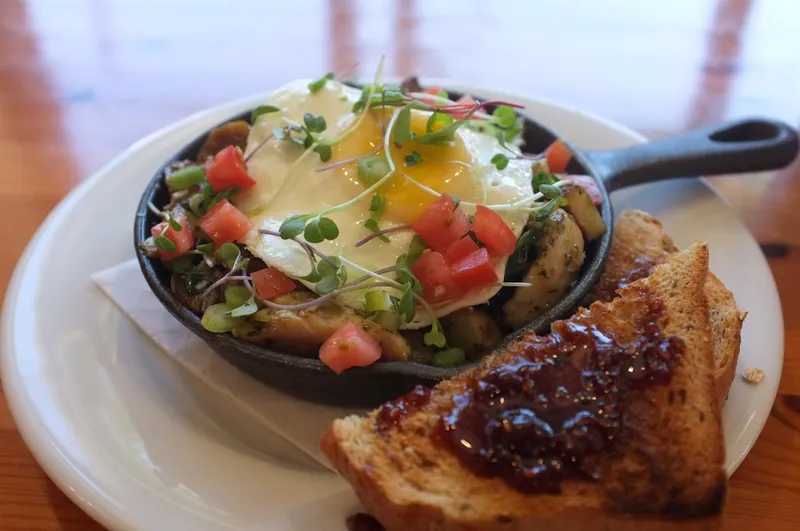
(556, 410)
(642, 268)
(392, 413)
(363, 522)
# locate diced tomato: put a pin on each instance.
(183, 239)
(460, 248)
(433, 91)
(225, 223)
(466, 99)
(433, 273)
(558, 156)
(588, 184)
(271, 283)
(228, 169)
(493, 232)
(474, 270)
(350, 346)
(442, 224)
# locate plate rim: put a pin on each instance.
(31, 427)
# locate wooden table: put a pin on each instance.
(79, 84)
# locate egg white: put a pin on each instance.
(288, 184)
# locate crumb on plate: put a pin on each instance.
(753, 376)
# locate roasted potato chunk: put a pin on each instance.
(472, 330)
(581, 207)
(559, 259)
(229, 134)
(302, 332)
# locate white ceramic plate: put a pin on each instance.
(134, 441)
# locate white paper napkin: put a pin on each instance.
(300, 423)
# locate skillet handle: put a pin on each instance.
(734, 147)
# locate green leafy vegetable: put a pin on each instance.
(174, 224)
(324, 151)
(319, 84)
(402, 126)
(550, 191)
(205, 248)
(416, 248)
(435, 336)
(524, 253)
(500, 161)
(332, 279)
(314, 124)
(292, 226)
(406, 305)
(504, 117)
(384, 95)
(328, 228)
(546, 210)
(541, 178)
(220, 196)
(262, 109)
(165, 244)
(372, 225)
(313, 233)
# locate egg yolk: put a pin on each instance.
(443, 168)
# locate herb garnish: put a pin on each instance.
(319, 84)
(412, 159)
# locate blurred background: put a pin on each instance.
(81, 80)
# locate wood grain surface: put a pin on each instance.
(81, 80)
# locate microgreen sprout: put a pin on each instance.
(165, 244)
(527, 204)
(238, 263)
(372, 225)
(319, 84)
(262, 109)
(378, 233)
(306, 135)
(500, 161)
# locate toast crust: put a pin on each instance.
(670, 477)
(641, 243)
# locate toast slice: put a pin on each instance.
(639, 244)
(668, 476)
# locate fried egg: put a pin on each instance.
(288, 183)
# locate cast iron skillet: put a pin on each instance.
(743, 146)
